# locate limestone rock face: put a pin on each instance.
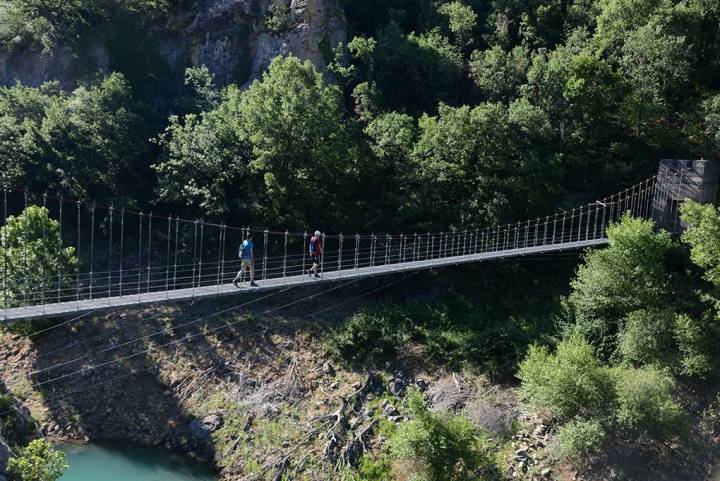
(230, 37)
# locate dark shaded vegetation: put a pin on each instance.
(450, 114)
(483, 317)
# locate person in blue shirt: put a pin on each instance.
(247, 261)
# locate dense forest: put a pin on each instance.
(433, 115)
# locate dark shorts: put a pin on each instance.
(317, 259)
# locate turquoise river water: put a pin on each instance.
(113, 462)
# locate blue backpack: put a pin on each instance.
(241, 250)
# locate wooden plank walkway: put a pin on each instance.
(82, 306)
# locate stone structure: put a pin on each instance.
(683, 179)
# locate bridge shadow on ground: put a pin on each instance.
(165, 375)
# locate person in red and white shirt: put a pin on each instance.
(316, 252)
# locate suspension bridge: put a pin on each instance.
(130, 258)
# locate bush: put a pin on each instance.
(626, 276)
(646, 407)
(38, 461)
(703, 235)
(577, 439)
(32, 256)
(569, 383)
(369, 337)
(647, 337)
(693, 339)
(448, 447)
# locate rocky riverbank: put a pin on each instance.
(262, 398)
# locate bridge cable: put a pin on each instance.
(184, 339)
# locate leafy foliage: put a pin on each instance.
(694, 339)
(32, 257)
(703, 235)
(647, 337)
(612, 283)
(646, 406)
(449, 447)
(567, 383)
(80, 143)
(578, 439)
(38, 461)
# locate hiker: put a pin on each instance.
(316, 253)
(247, 261)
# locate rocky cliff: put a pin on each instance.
(235, 39)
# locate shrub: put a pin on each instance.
(693, 341)
(448, 447)
(647, 337)
(277, 16)
(38, 461)
(369, 337)
(646, 406)
(627, 276)
(569, 383)
(703, 235)
(577, 439)
(32, 257)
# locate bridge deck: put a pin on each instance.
(77, 307)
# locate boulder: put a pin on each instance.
(328, 369)
(213, 422)
(396, 386)
(202, 429)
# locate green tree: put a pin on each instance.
(474, 163)
(618, 18)
(656, 66)
(568, 383)
(703, 236)
(462, 20)
(38, 461)
(392, 137)
(90, 141)
(202, 82)
(412, 72)
(498, 74)
(695, 339)
(582, 96)
(449, 447)
(646, 404)
(711, 110)
(627, 276)
(205, 163)
(299, 142)
(276, 152)
(647, 337)
(33, 259)
(92, 136)
(49, 23)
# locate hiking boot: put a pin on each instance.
(235, 283)
(252, 283)
(317, 275)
